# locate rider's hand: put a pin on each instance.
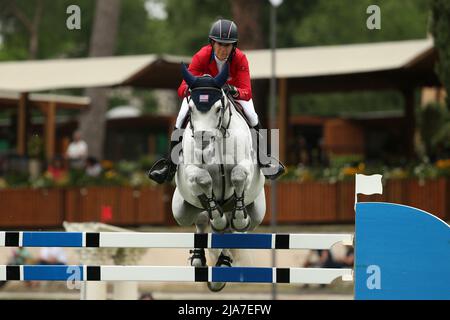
(231, 90)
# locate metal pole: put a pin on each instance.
(273, 125)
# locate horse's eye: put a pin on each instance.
(217, 110)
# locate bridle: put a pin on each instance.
(224, 107)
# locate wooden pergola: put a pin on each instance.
(148, 71)
(48, 105)
(403, 66)
(399, 65)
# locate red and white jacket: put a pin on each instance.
(203, 62)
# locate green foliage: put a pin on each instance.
(336, 104)
(137, 34)
(146, 162)
(434, 128)
(55, 40)
(440, 28)
(149, 103)
(340, 161)
(344, 21)
(346, 170)
(16, 180)
(188, 23)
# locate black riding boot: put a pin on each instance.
(167, 172)
(270, 170)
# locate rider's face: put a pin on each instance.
(222, 50)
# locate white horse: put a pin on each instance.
(218, 179)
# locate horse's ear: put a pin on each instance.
(187, 76)
(222, 77)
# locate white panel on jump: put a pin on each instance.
(2, 238)
(2, 273)
(318, 241)
(319, 276)
(146, 240)
(147, 273)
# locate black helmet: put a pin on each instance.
(224, 31)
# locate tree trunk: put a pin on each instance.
(247, 15)
(103, 43)
(34, 32)
(32, 26)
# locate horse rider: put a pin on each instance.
(222, 48)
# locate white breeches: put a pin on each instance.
(249, 110)
(182, 113)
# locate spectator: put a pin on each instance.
(54, 256)
(327, 260)
(93, 167)
(56, 169)
(77, 151)
(21, 256)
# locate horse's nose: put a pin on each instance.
(203, 138)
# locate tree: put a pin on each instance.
(188, 23)
(103, 43)
(247, 15)
(344, 22)
(440, 28)
(30, 24)
(137, 33)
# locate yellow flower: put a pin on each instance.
(399, 173)
(361, 167)
(305, 176)
(110, 174)
(350, 171)
(63, 180)
(443, 164)
(48, 175)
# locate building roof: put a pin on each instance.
(337, 59)
(42, 75)
(163, 71)
(10, 100)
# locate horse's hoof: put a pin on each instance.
(216, 286)
(241, 225)
(222, 261)
(198, 258)
(240, 220)
(220, 223)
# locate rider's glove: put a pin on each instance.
(232, 90)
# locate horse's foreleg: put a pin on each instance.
(240, 220)
(201, 183)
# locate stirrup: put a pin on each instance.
(159, 165)
(281, 170)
